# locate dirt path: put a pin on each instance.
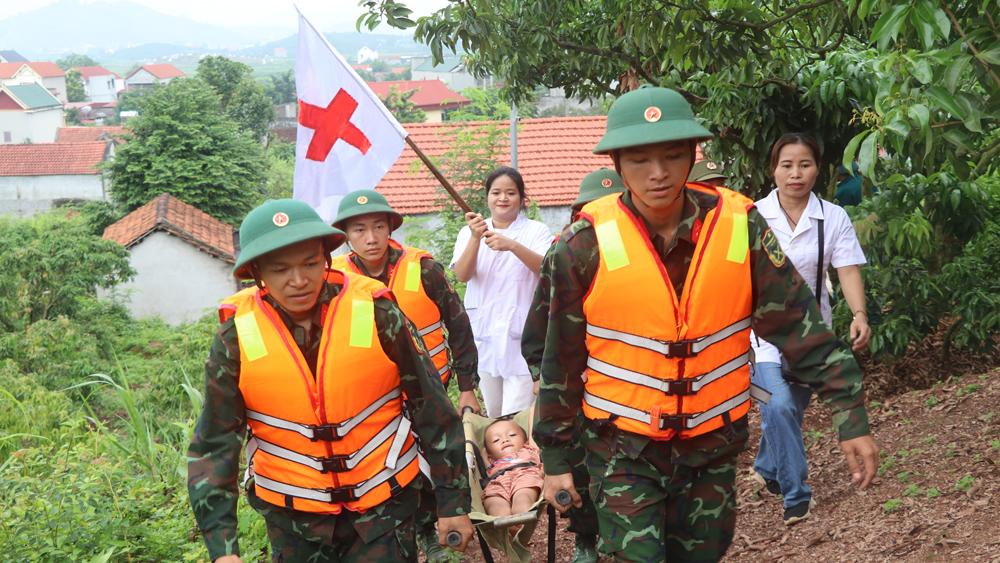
(937, 498)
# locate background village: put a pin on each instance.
(124, 171)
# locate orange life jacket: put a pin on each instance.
(339, 439)
(662, 366)
(406, 286)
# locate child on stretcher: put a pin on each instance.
(514, 468)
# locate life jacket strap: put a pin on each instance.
(666, 421)
(437, 349)
(674, 349)
(685, 386)
(430, 328)
(337, 495)
(326, 432)
(399, 428)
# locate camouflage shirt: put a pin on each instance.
(214, 453)
(464, 357)
(785, 314)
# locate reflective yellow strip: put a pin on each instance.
(612, 247)
(739, 243)
(412, 276)
(362, 323)
(248, 332)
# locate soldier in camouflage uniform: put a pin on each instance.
(273, 238)
(675, 499)
(582, 520)
(369, 220)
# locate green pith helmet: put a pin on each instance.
(598, 184)
(705, 170)
(277, 223)
(363, 202)
(649, 115)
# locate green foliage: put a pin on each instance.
(965, 483)
(402, 107)
(913, 491)
(31, 415)
(488, 104)
(74, 86)
(181, 144)
(73, 60)
(281, 88)
(132, 100)
(243, 99)
(892, 505)
(280, 171)
(73, 117)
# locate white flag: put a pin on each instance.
(347, 139)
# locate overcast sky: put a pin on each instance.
(325, 14)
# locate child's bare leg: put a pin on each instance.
(521, 502)
(496, 506)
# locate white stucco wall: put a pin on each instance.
(174, 280)
(25, 196)
(101, 88)
(143, 78)
(39, 126)
(57, 86)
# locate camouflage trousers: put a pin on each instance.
(582, 520)
(347, 546)
(650, 510)
(427, 510)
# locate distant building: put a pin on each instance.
(198, 248)
(362, 68)
(280, 53)
(110, 135)
(431, 96)
(451, 71)
(100, 84)
(29, 112)
(11, 57)
(46, 74)
(37, 177)
(148, 75)
(366, 54)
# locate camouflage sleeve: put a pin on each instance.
(786, 315)
(464, 357)
(569, 266)
(214, 453)
(434, 416)
(537, 322)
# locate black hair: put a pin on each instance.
(513, 175)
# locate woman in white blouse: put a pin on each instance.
(809, 230)
(500, 257)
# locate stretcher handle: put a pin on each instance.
(515, 519)
(469, 409)
(454, 539)
(564, 498)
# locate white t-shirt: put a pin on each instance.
(840, 248)
(499, 294)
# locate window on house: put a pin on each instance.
(6, 136)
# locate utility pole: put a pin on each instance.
(513, 136)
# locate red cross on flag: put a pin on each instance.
(347, 139)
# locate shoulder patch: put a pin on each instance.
(773, 249)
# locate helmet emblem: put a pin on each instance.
(653, 114)
(362, 200)
(280, 219)
(606, 183)
(711, 166)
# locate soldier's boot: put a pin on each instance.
(427, 540)
(585, 550)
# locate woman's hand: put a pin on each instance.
(861, 334)
(498, 242)
(476, 223)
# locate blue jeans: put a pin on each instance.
(782, 453)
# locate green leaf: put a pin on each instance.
(942, 23)
(869, 152)
(921, 115)
(888, 20)
(841, 89)
(972, 122)
(958, 138)
(920, 69)
(929, 147)
(953, 73)
(852, 148)
(899, 127)
(991, 56)
(943, 99)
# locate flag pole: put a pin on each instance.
(440, 177)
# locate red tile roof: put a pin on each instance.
(554, 154)
(7, 70)
(165, 70)
(90, 71)
(86, 134)
(429, 95)
(362, 67)
(169, 214)
(46, 69)
(46, 159)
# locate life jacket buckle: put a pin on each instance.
(342, 494)
(326, 432)
(336, 464)
(678, 387)
(680, 349)
(672, 422)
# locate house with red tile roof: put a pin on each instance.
(90, 134)
(46, 74)
(148, 75)
(198, 248)
(29, 112)
(432, 96)
(99, 83)
(37, 177)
